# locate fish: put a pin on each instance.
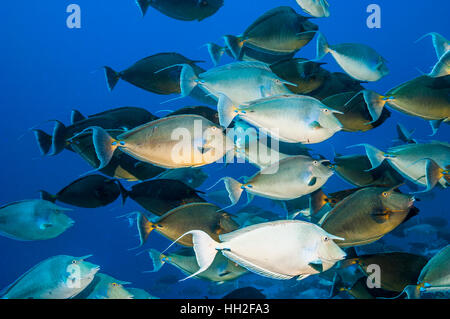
(359, 61)
(277, 182)
(185, 10)
(58, 277)
(172, 142)
(424, 164)
(245, 293)
(368, 214)
(90, 191)
(308, 76)
(205, 216)
(316, 8)
(204, 111)
(289, 118)
(421, 233)
(280, 30)
(150, 73)
(434, 276)
(356, 170)
(140, 294)
(240, 81)
(425, 97)
(106, 287)
(121, 165)
(124, 118)
(281, 250)
(34, 219)
(159, 196)
(358, 112)
(191, 176)
(336, 83)
(220, 271)
(360, 290)
(398, 269)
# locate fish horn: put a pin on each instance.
(84, 257)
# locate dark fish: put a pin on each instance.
(162, 195)
(192, 176)
(203, 216)
(336, 83)
(204, 111)
(245, 293)
(91, 191)
(360, 290)
(279, 31)
(356, 169)
(121, 166)
(154, 73)
(124, 118)
(398, 269)
(186, 10)
(359, 113)
(367, 215)
(307, 75)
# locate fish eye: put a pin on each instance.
(326, 239)
(385, 194)
(114, 284)
(316, 163)
(326, 110)
(74, 261)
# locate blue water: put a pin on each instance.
(47, 70)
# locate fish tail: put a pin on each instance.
(433, 173)
(47, 196)
(112, 77)
(205, 249)
(404, 134)
(158, 259)
(234, 44)
(375, 104)
(317, 201)
(145, 227)
(216, 52)
(44, 141)
(76, 116)
(322, 46)
(188, 80)
(125, 194)
(58, 138)
(104, 146)
(376, 157)
(337, 287)
(412, 291)
(143, 6)
(234, 189)
(226, 109)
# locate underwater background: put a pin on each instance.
(47, 70)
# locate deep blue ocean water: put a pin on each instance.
(48, 69)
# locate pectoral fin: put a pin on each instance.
(317, 265)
